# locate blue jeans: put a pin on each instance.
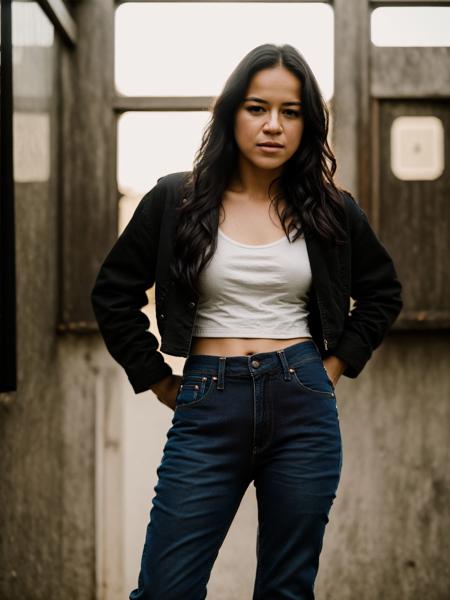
(270, 418)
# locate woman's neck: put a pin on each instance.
(254, 183)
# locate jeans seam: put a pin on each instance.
(298, 381)
(254, 415)
(201, 399)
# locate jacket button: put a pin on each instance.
(162, 316)
(191, 304)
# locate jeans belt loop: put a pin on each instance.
(221, 373)
(284, 363)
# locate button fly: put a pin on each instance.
(255, 363)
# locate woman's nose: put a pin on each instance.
(273, 122)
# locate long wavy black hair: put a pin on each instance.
(306, 183)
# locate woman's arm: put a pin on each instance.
(119, 293)
(375, 289)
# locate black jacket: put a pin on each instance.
(140, 258)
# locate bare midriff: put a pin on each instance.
(240, 346)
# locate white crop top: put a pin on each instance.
(254, 291)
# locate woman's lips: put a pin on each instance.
(270, 149)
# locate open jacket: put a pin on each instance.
(361, 269)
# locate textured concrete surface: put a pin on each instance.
(47, 542)
(388, 532)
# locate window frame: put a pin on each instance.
(8, 330)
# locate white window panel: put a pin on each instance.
(31, 147)
(30, 26)
(189, 49)
(153, 144)
(411, 26)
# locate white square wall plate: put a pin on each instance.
(417, 148)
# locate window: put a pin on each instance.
(411, 26)
(188, 49)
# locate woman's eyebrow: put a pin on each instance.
(255, 99)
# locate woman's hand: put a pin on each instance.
(334, 367)
(166, 389)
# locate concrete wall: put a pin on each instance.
(47, 462)
(388, 531)
(48, 476)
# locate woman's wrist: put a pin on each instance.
(166, 389)
(162, 385)
(334, 366)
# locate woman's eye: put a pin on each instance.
(293, 113)
(253, 108)
(288, 112)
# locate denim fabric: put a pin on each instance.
(271, 419)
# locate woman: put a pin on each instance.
(255, 255)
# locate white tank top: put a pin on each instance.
(253, 291)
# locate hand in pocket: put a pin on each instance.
(334, 368)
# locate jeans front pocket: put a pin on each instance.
(311, 376)
(195, 388)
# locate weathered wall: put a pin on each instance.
(388, 531)
(47, 468)
(30, 456)
(48, 454)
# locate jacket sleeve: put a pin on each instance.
(119, 293)
(376, 292)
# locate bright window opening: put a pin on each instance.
(148, 141)
(189, 49)
(411, 26)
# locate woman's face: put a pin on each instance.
(270, 112)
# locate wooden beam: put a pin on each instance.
(410, 72)
(225, 1)
(58, 14)
(8, 292)
(351, 102)
(162, 103)
(89, 196)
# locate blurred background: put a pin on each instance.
(98, 99)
